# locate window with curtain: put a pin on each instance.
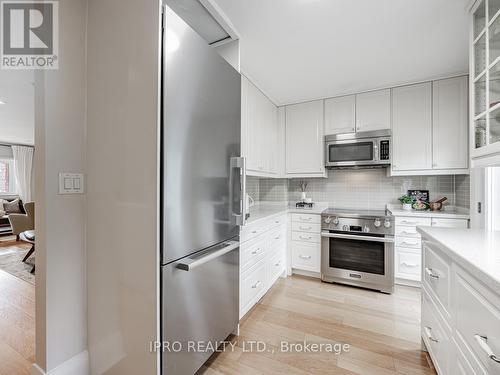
(7, 178)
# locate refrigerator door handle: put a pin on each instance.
(191, 263)
(238, 163)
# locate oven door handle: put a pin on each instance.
(359, 238)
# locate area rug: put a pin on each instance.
(11, 256)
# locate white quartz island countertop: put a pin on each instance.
(265, 211)
(475, 250)
(445, 213)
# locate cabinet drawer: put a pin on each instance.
(478, 320)
(306, 218)
(413, 221)
(252, 231)
(306, 227)
(414, 243)
(277, 237)
(306, 237)
(277, 221)
(434, 335)
(406, 231)
(436, 277)
(450, 223)
(252, 252)
(277, 265)
(253, 285)
(305, 256)
(408, 264)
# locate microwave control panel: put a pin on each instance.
(384, 150)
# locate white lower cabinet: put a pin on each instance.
(305, 244)
(460, 317)
(407, 244)
(262, 259)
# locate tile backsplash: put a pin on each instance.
(363, 189)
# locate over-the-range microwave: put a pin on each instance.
(358, 150)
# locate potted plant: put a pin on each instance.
(406, 202)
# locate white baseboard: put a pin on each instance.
(76, 365)
(316, 275)
(405, 282)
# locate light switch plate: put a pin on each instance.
(71, 183)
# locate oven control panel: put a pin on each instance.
(379, 225)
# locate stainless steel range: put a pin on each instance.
(357, 248)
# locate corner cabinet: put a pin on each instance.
(259, 132)
(485, 83)
(304, 144)
(429, 128)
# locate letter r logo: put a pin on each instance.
(28, 28)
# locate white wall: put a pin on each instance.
(60, 139)
(122, 236)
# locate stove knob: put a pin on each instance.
(336, 221)
(328, 220)
(366, 229)
(377, 223)
(387, 223)
(345, 228)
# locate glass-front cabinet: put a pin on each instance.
(485, 77)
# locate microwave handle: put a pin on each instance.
(375, 151)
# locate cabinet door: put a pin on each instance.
(412, 128)
(373, 110)
(249, 124)
(340, 115)
(450, 130)
(304, 138)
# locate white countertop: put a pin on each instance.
(476, 250)
(264, 211)
(446, 213)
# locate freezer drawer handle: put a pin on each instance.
(191, 263)
(483, 343)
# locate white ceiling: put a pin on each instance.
(17, 115)
(297, 50)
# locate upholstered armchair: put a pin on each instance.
(22, 222)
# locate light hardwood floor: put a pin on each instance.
(382, 331)
(17, 325)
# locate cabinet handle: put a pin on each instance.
(428, 331)
(277, 238)
(258, 251)
(409, 264)
(254, 231)
(409, 243)
(305, 218)
(305, 228)
(305, 256)
(407, 233)
(277, 264)
(305, 238)
(409, 222)
(429, 272)
(277, 221)
(483, 344)
(257, 284)
(434, 165)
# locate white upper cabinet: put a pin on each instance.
(259, 131)
(449, 128)
(412, 128)
(305, 140)
(373, 110)
(340, 115)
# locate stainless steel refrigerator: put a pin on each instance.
(202, 196)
